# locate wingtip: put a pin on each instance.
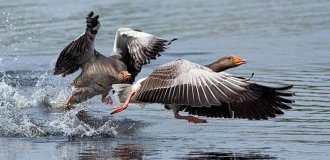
(174, 39)
(56, 71)
(90, 14)
(97, 17)
(287, 87)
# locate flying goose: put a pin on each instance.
(205, 91)
(132, 49)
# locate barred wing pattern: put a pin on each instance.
(269, 103)
(136, 48)
(186, 83)
(75, 54)
(80, 50)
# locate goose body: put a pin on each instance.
(207, 91)
(132, 49)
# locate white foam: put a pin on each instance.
(9, 96)
(26, 115)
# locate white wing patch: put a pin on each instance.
(123, 33)
(206, 85)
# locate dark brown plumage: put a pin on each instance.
(269, 104)
(132, 49)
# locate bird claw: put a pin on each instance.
(107, 100)
(118, 109)
(196, 120)
(67, 102)
(190, 118)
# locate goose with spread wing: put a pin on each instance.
(132, 49)
(205, 91)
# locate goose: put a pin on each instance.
(205, 91)
(132, 49)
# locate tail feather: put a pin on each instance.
(121, 92)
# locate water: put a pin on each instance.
(285, 42)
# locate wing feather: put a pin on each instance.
(202, 92)
(194, 85)
(75, 54)
(260, 102)
(136, 48)
(80, 50)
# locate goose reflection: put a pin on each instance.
(100, 149)
(200, 155)
(128, 151)
(121, 151)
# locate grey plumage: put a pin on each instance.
(183, 85)
(184, 82)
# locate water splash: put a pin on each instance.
(29, 112)
(9, 96)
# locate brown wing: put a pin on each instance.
(187, 83)
(80, 50)
(137, 48)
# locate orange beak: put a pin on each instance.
(239, 61)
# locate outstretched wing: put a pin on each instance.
(136, 48)
(186, 83)
(269, 103)
(80, 50)
(200, 91)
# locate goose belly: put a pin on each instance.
(103, 73)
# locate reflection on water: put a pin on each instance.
(200, 155)
(128, 151)
(101, 148)
(134, 151)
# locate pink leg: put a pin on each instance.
(124, 106)
(189, 118)
(107, 100)
(68, 101)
